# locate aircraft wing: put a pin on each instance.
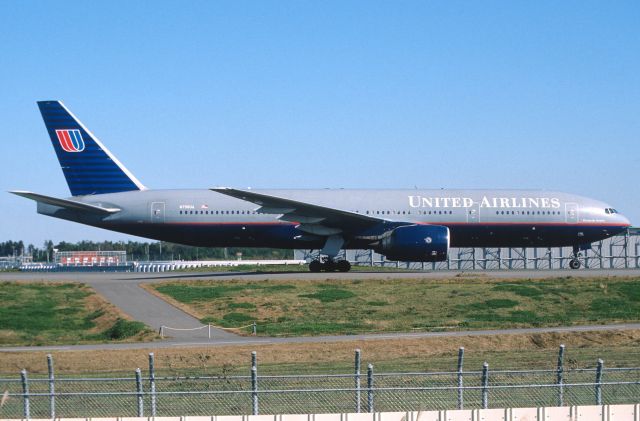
(65, 203)
(313, 219)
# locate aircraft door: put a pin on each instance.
(473, 213)
(157, 212)
(571, 213)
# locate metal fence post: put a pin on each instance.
(560, 376)
(485, 385)
(370, 388)
(254, 383)
(139, 390)
(52, 387)
(25, 393)
(254, 390)
(599, 382)
(357, 379)
(460, 379)
(152, 382)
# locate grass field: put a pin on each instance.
(353, 306)
(55, 313)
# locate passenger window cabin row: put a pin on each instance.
(527, 212)
(207, 212)
(379, 212)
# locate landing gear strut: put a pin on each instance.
(574, 263)
(329, 265)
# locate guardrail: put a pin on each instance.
(163, 329)
(181, 265)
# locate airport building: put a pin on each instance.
(90, 258)
(12, 262)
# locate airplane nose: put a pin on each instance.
(623, 220)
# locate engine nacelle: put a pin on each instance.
(416, 243)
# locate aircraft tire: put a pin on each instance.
(329, 266)
(315, 266)
(574, 264)
(343, 266)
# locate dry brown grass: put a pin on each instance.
(505, 351)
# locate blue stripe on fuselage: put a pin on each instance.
(279, 235)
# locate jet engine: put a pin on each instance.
(416, 243)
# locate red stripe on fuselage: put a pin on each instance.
(563, 224)
(231, 223)
(474, 224)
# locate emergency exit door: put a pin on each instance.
(473, 213)
(571, 213)
(157, 212)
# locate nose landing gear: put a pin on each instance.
(329, 265)
(574, 263)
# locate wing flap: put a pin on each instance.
(319, 230)
(65, 203)
(273, 210)
(294, 217)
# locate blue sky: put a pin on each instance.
(366, 94)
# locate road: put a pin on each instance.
(252, 340)
(137, 277)
(124, 291)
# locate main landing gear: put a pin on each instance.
(574, 263)
(329, 265)
(329, 251)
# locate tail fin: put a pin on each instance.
(87, 165)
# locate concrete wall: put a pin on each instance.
(564, 413)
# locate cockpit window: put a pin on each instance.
(606, 210)
(610, 210)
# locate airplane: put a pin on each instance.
(405, 225)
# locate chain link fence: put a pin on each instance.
(363, 390)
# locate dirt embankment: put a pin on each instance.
(504, 351)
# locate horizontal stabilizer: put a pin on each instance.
(65, 203)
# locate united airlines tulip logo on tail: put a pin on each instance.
(70, 140)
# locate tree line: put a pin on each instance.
(137, 250)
